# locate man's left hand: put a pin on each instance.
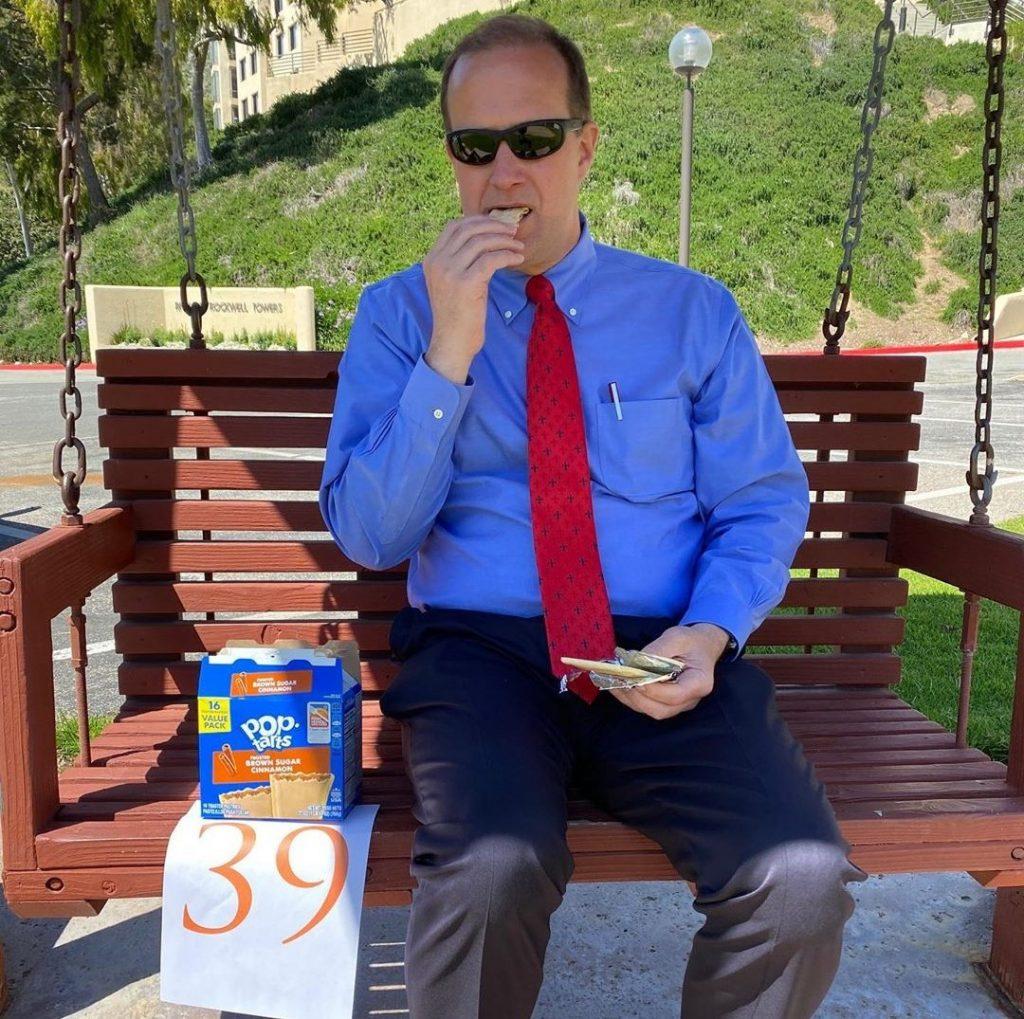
(699, 646)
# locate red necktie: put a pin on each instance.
(577, 616)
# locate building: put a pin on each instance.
(248, 81)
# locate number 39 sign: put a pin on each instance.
(263, 916)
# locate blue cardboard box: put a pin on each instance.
(280, 732)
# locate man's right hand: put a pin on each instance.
(458, 270)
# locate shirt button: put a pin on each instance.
(508, 314)
(572, 311)
(438, 413)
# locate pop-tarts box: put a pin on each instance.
(280, 732)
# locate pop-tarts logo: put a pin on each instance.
(269, 732)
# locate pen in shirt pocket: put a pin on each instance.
(614, 390)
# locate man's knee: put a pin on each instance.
(800, 884)
(501, 872)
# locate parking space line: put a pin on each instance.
(941, 493)
(100, 648)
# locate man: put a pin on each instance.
(548, 513)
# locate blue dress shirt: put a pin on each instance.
(700, 498)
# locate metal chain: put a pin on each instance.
(70, 292)
(834, 324)
(166, 45)
(991, 160)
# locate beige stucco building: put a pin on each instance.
(368, 32)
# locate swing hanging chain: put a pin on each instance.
(166, 45)
(981, 482)
(70, 247)
(834, 323)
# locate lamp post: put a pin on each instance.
(689, 53)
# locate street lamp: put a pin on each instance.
(689, 53)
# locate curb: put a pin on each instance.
(934, 348)
(84, 366)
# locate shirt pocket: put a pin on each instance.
(649, 453)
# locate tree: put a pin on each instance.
(234, 22)
(27, 119)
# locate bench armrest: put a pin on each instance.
(40, 578)
(985, 561)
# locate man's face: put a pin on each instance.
(498, 89)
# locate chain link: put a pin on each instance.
(834, 324)
(70, 246)
(981, 482)
(167, 47)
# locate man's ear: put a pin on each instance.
(589, 134)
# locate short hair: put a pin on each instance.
(522, 30)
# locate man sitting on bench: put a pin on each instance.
(578, 447)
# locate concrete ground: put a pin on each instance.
(617, 951)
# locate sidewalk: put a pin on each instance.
(617, 951)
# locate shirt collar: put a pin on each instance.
(570, 277)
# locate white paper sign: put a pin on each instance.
(263, 916)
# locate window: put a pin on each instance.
(252, 62)
(245, 107)
(234, 113)
(256, 102)
(216, 118)
(212, 52)
(278, 5)
(215, 84)
(280, 44)
(234, 84)
(293, 36)
(241, 69)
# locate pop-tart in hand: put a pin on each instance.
(626, 670)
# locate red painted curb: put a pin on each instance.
(84, 366)
(934, 348)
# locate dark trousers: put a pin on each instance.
(491, 746)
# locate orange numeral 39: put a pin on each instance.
(243, 890)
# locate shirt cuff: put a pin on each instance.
(733, 622)
(432, 401)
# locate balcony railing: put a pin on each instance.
(348, 44)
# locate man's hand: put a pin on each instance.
(458, 271)
(699, 646)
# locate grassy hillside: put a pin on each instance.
(339, 188)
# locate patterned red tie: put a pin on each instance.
(577, 616)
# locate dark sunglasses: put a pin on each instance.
(531, 140)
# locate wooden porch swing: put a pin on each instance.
(909, 795)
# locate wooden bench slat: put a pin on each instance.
(879, 670)
(195, 637)
(144, 475)
(233, 365)
(806, 371)
(384, 880)
(312, 398)
(324, 556)
(903, 402)
(382, 595)
(318, 397)
(304, 515)
(803, 370)
(139, 431)
(143, 839)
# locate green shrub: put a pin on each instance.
(348, 184)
